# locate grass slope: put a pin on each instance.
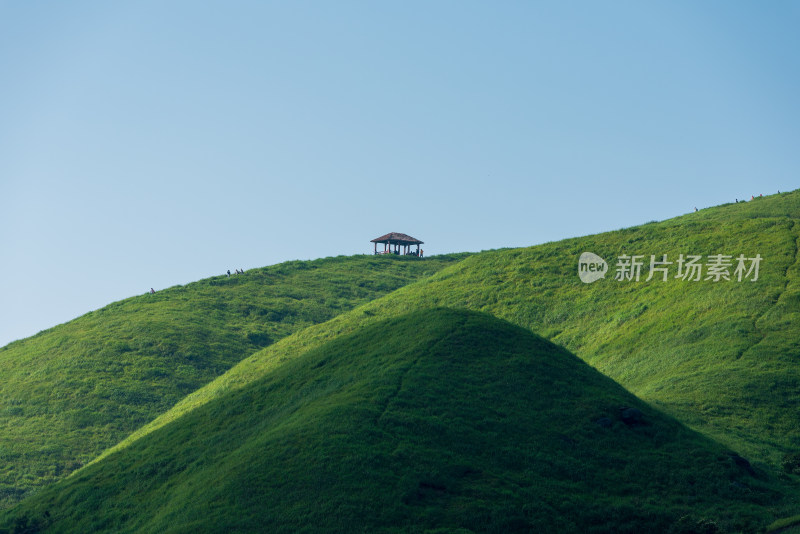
(437, 421)
(71, 391)
(720, 357)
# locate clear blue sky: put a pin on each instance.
(147, 144)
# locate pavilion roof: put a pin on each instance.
(396, 238)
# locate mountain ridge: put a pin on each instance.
(718, 357)
(538, 288)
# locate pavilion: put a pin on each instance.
(400, 241)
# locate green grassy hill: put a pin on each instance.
(433, 421)
(69, 392)
(721, 357)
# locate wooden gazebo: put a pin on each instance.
(400, 242)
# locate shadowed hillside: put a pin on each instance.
(438, 419)
(71, 391)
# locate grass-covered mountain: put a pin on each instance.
(722, 357)
(433, 421)
(718, 357)
(71, 391)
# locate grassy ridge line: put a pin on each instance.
(72, 391)
(436, 419)
(697, 350)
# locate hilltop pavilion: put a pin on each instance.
(400, 241)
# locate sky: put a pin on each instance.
(150, 143)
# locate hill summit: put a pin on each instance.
(438, 419)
